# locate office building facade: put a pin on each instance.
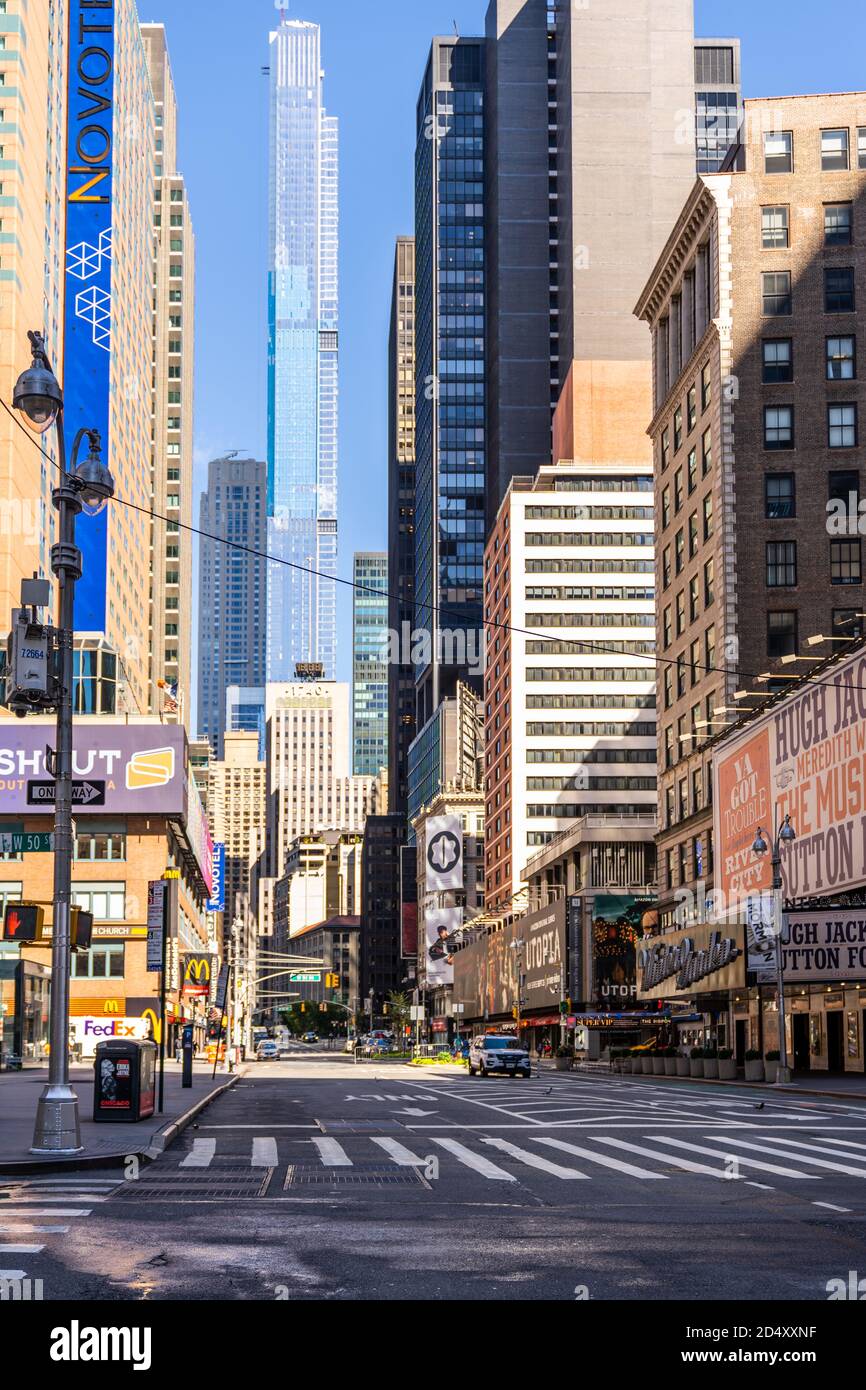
(172, 402)
(232, 582)
(370, 654)
(401, 517)
(303, 357)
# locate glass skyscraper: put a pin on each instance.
(302, 357)
(370, 664)
(450, 366)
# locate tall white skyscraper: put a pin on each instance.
(302, 357)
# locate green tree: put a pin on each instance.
(399, 1010)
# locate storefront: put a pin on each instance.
(24, 996)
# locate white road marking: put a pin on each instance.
(818, 1148)
(13, 1209)
(475, 1161)
(270, 1126)
(803, 1158)
(202, 1154)
(665, 1158)
(13, 1274)
(264, 1153)
(400, 1154)
(21, 1249)
(849, 1144)
(762, 1185)
(725, 1157)
(24, 1228)
(535, 1160)
(831, 1207)
(332, 1154)
(605, 1160)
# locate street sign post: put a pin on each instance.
(26, 842)
(305, 977)
(83, 793)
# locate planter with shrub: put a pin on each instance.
(771, 1066)
(754, 1065)
(564, 1060)
(658, 1064)
(647, 1064)
(696, 1062)
(684, 1066)
(670, 1056)
(727, 1065)
(711, 1062)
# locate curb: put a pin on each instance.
(162, 1140)
(792, 1090)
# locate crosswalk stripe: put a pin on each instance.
(818, 1148)
(202, 1154)
(400, 1154)
(847, 1211)
(48, 1197)
(605, 1160)
(25, 1229)
(13, 1274)
(786, 1153)
(686, 1163)
(691, 1147)
(535, 1160)
(264, 1153)
(477, 1162)
(21, 1249)
(332, 1154)
(14, 1209)
(850, 1144)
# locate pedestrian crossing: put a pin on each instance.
(43, 1206)
(649, 1157)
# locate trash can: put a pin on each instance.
(124, 1080)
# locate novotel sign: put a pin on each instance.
(698, 961)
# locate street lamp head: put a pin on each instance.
(37, 391)
(787, 833)
(92, 479)
(760, 846)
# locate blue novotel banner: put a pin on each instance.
(218, 899)
(88, 318)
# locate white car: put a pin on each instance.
(267, 1051)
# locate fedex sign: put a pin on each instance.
(88, 1031)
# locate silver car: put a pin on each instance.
(497, 1054)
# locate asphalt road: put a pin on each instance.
(317, 1179)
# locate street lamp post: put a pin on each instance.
(87, 486)
(785, 835)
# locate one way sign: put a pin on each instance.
(83, 793)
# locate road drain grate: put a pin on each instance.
(206, 1187)
(360, 1175)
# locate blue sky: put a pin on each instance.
(374, 56)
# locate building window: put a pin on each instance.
(710, 648)
(678, 490)
(709, 583)
(778, 360)
(842, 426)
(666, 507)
(107, 901)
(778, 427)
(781, 635)
(841, 359)
(99, 843)
(845, 487)
(706, 452)
(777, 293)
(692, 407)
(692, 470)
(679, 551)
(861, 148)
(845, 562)
(666, 448)
(778, 152)
(694, 600)
(774, 228)
(837, 224)
(834, 149)
(708, 518)
(678, 427)
(693, 535)
(839, 290)
(781, 564)
(99, 963)
(779, 496)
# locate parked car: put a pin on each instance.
(497, 1054)
(267, 1051)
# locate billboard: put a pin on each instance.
(217, 902)
(805, 758)
(142, 766)
(486, 971)
(444, 853)
(87, 328)
(699, 960)
(824, 947)
(440, 927)
(618, 923)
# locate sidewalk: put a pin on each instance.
(851, 1086)
(105, 1145)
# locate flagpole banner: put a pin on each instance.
(444, 853)
(441, 941)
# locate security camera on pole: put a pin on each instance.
(86, 487)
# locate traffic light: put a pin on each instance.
(323, 1008)
(303, 1008)
(332, 981)
(514, 1013)
(81, 929)
(23, 922)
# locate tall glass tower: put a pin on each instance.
(302, 357)
(370, 664)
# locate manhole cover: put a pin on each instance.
(360, 1126)
(361, 1175)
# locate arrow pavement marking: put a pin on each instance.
(202, 1154)
(332, 1154)
(419, 1114)
(401, 1155)
(691, 1147)
(605, 1160)
(475, 1161)
(264, 1153)
(786, 1153)
(534, 1160)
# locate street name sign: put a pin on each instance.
(83, 793)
